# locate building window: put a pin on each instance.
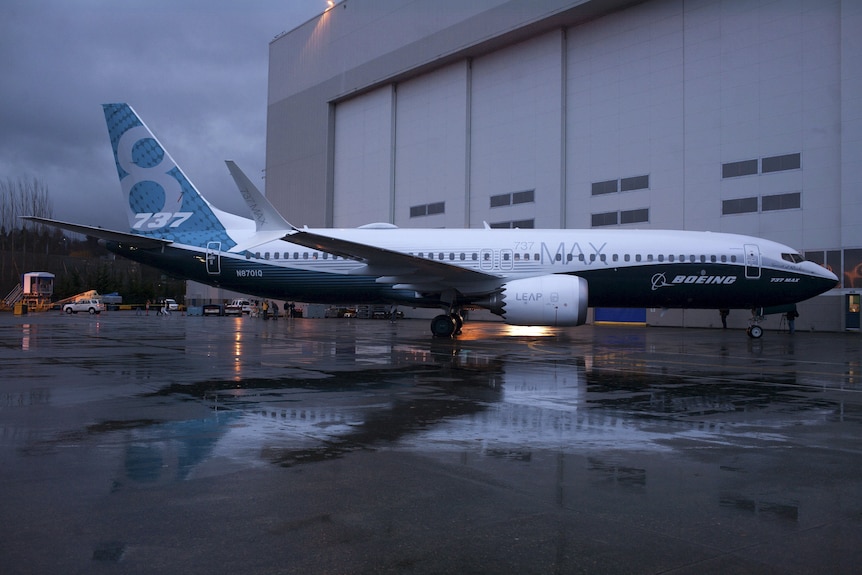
(436, 208)
(621, 185)
(767, 165)
(428, 209)
(634, 183)
(634, 216)
(522, 224)
(816, 257)
(605, 219)
(781, 202)
(501, 200)
(781, 163)
(608, 187)
(622, 217)
(736, 169)
(791, 201)
(524, 197)
(739, 206)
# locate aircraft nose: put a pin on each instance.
(828, 280)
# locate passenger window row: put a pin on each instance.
(521, 257)
(293, 256)
(526, 257)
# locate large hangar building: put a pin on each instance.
(738, 116)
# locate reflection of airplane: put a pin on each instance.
(452, 396)
(324, 422)
(527, 276)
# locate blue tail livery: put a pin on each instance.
(162, 202)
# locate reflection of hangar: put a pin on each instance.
(717, 115)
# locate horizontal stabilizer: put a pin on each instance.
(143, 242)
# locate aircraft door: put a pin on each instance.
(486, 258)
(506, 259)
(213, 258)
(752, 261)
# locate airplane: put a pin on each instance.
(540, 277)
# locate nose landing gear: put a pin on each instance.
(754, 330)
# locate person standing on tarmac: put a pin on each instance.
(791, 320)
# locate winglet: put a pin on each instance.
(266, 217)
(269, 224)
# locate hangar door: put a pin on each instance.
(362, 159)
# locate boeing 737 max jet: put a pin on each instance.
(527, 276)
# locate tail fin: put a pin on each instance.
(162, 202)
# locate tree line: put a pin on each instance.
(79, 263)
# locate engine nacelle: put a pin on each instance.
(555, 300)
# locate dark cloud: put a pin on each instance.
(196, 72)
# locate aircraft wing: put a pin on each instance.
(402, 271)
(142, 242)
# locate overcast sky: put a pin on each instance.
(194, 70)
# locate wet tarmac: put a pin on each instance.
(147, 444)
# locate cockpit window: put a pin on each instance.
(794, 258)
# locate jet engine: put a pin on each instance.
(555, 300)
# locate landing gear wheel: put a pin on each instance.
(459, 322)
(443, 326)
(755, 332)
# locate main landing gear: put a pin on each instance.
(447, 325)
